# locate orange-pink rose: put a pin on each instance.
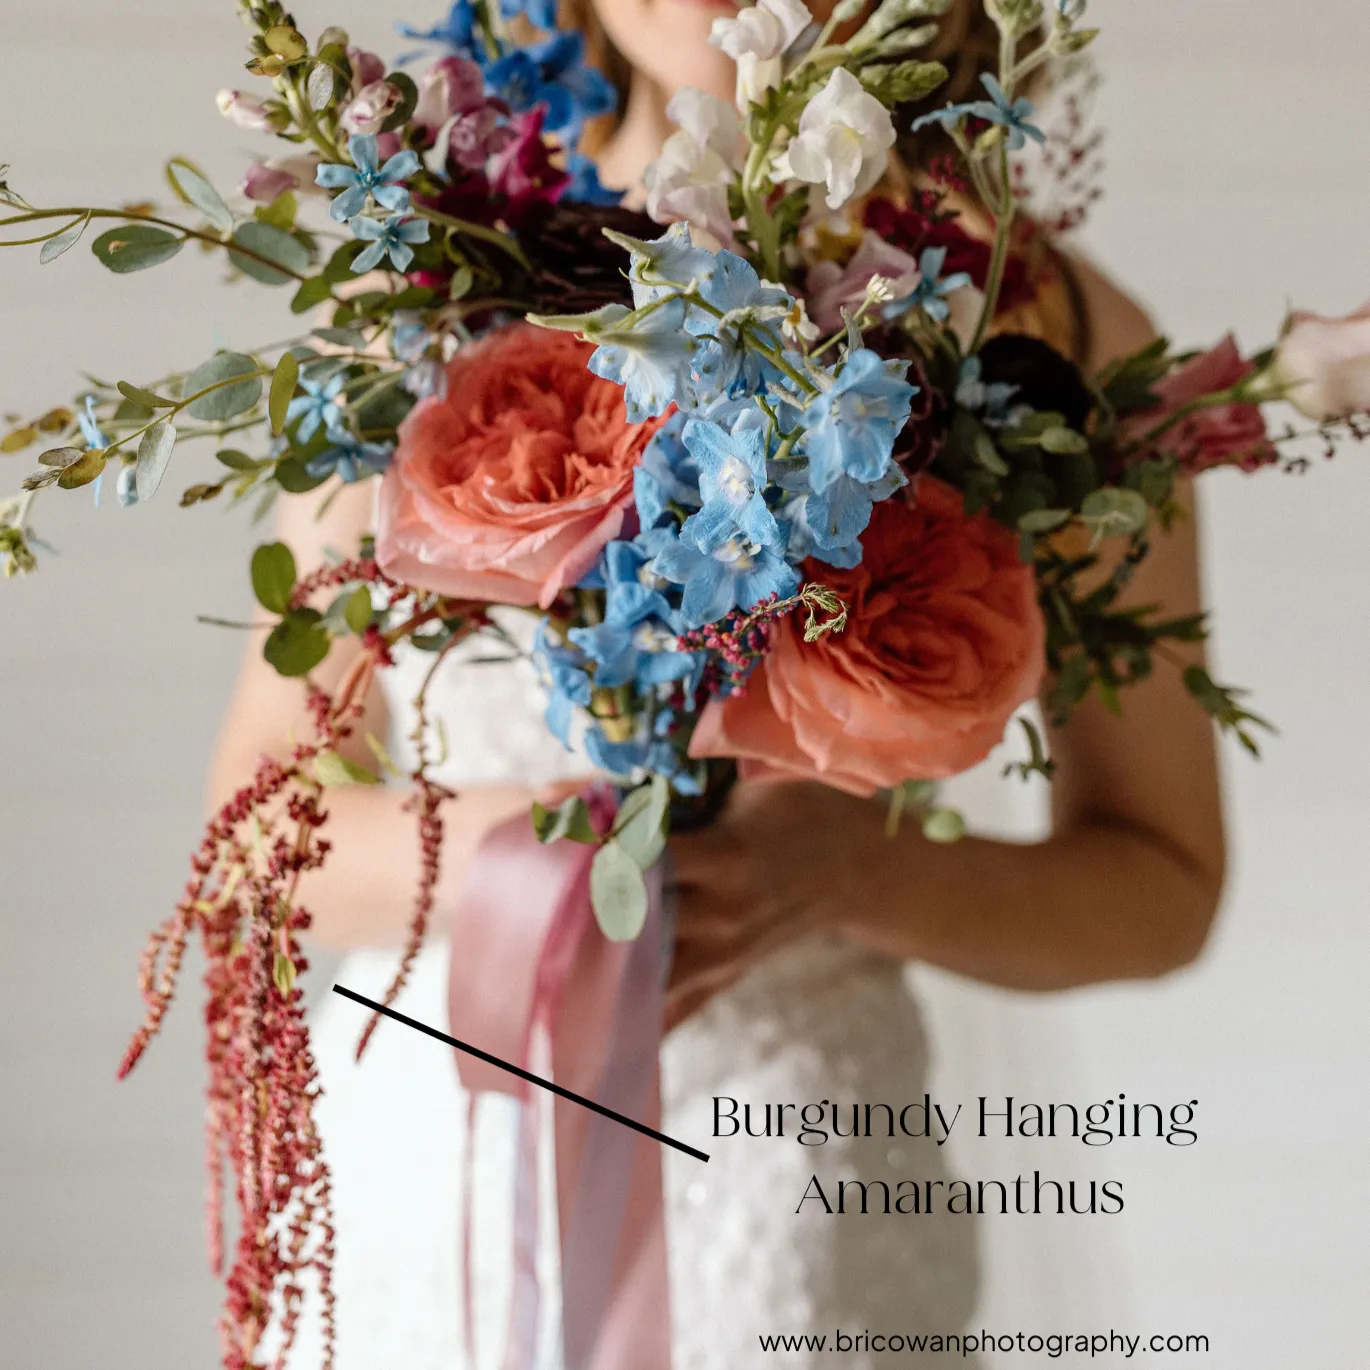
(943, 642)
(507, 488)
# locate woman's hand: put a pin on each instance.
(770, 870)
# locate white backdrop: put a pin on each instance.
(1238, 141)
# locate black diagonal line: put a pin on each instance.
(521, 1073)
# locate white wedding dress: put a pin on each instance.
(820, 1021)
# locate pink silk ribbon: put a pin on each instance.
(534, 982)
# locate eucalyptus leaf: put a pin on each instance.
(145, 398)
(332, 768)
(228, 400)
(320, 86)
(357, 611)
(273, 576)
(278, 257)
(60, 457)
(293, 477)
(642, 832)
(343, 337)
(154, 452)
(283, 382)
(237, 461)
(311, 293)
(201, 194)
(297, 643)
(83, 470)
(135, 247)
(618, 893)
(68, 237)
(408, 102)
(1115, 512)
(1042, 520)
(570, 819)
(1062, 440)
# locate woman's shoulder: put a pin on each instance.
(1116, 324)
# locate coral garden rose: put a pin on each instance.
(1327, 363)
(943, 642)
(507, 488)
(1220, 435)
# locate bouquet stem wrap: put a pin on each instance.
(535, 982)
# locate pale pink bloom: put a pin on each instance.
(244, 111)
(370, 108)
(832, 286)
(451, 87)
(1327, 362)
(689, 181)
(367, 69)
(264, 181)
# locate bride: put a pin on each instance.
(797, 916)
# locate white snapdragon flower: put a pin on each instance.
(844, 139)
(690, 179)
(756, 40)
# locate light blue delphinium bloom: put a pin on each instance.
(566, 673)
(349, 457)
(670, 262)
(829, 525)
(391, 238)
(368, 178)
(732, 484)
(723, 364)
(646, 753)
(554, 74)
(851, 427)
(649, 357)
(930, 294)
(541, 14)
(456, 33)
(317, 407)
(990, 400)
(736, 575)
(998, 109)
(666, 475)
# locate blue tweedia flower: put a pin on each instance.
(90, 428)
(852, 426)
(989, 400)
(552, 73)
(456, 33)
(317, 407)
(670, 262)
(667, 474)
(368, 178)
(732, 484)
(649, 357)
(349, 457)
(584, 186)
(565, 670)
(737, 575)
(930, 294)
(126, 487)
(998, 109)
(392, 238)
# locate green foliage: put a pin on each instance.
(297, 643)
(196, 191)
(83, 470)
(273, 576)
(943, 825)
(1038, 762)
(154, 453)
(640, 825)
(570, 819)
(332, 768)
(59, 243)
(1223, 703)
(618, 892)
(144, 399)
(224, 400)
(283, 382)
(135, 247)
(278, 257)
(408, 102)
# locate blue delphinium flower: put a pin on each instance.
(349, 457)
(584, 186)
(851, 427)
(988, 399)
(930, 294)
(552, 73)
(829, 525)
(732, 484)
(385, 184)
(667, 473)
(998, 109)
(566, 672)
(456, 33)
(670, 262)
(723, 363)
(317, 407)
(644, 753)
(541, 14)
(735, 575)
(392, 238)
(649, 357)
(89, 426)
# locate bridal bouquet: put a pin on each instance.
(782, 482)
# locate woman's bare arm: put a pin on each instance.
(1127, 885)
(364, 893)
